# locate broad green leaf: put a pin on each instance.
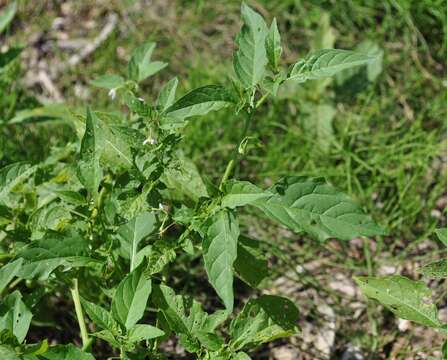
(11, 176)
(407, 299)
(200, 101)
(140, 64)
(130, 298)
(264, 319)
(184, 314)
(142, 332)
(273, 46)
(442, 235)
(166, 96)
(326, 62)
(314, 206)
(108, 81)
(117, 153)
(219, 253)
(100, 316)
(52, 217)
(15, 315)
(435, 269)
(250, 265)
(41, 257)
(7, 15)
(89, 169)
(66, 352)
(131, 234)
(8, 272)
(183, 180)
(241, 193)
(250, 58)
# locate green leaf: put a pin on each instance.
(407, 299)
(131, 234)
(250, 58)
(66, 352)
(8, 271)
(219, 253)
(15, 315)
(41, 257)
(435, 269)
(7, 353)
(89, 169)
(140, 64)
(142, 332)
(107, 336)
(442, 235)
(100, 316)
(273, 46)
(210, 341)
(10, 177)
(117, 153)
(166, 96)
(7, 15)
(241, 193)
(200, 101)
(313, 206)
(108, 81)
(263, 320)
(183, 180)
(184, 314)
(158, 255)
(250, 265)
(132, 293)
(326, 62)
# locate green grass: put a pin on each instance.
(389, 138)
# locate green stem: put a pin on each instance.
(230, 166)
(79, 314)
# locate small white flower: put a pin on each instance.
(160, 206)
(151, 141)
(141, 99)
(112, 93)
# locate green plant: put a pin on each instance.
(108, 217)
(409, 299)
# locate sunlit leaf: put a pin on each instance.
(407, 299)
(250, 58)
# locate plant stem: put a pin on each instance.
(230, 166)
(80, 314)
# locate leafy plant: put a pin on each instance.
(108, 217)
(409, 299)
